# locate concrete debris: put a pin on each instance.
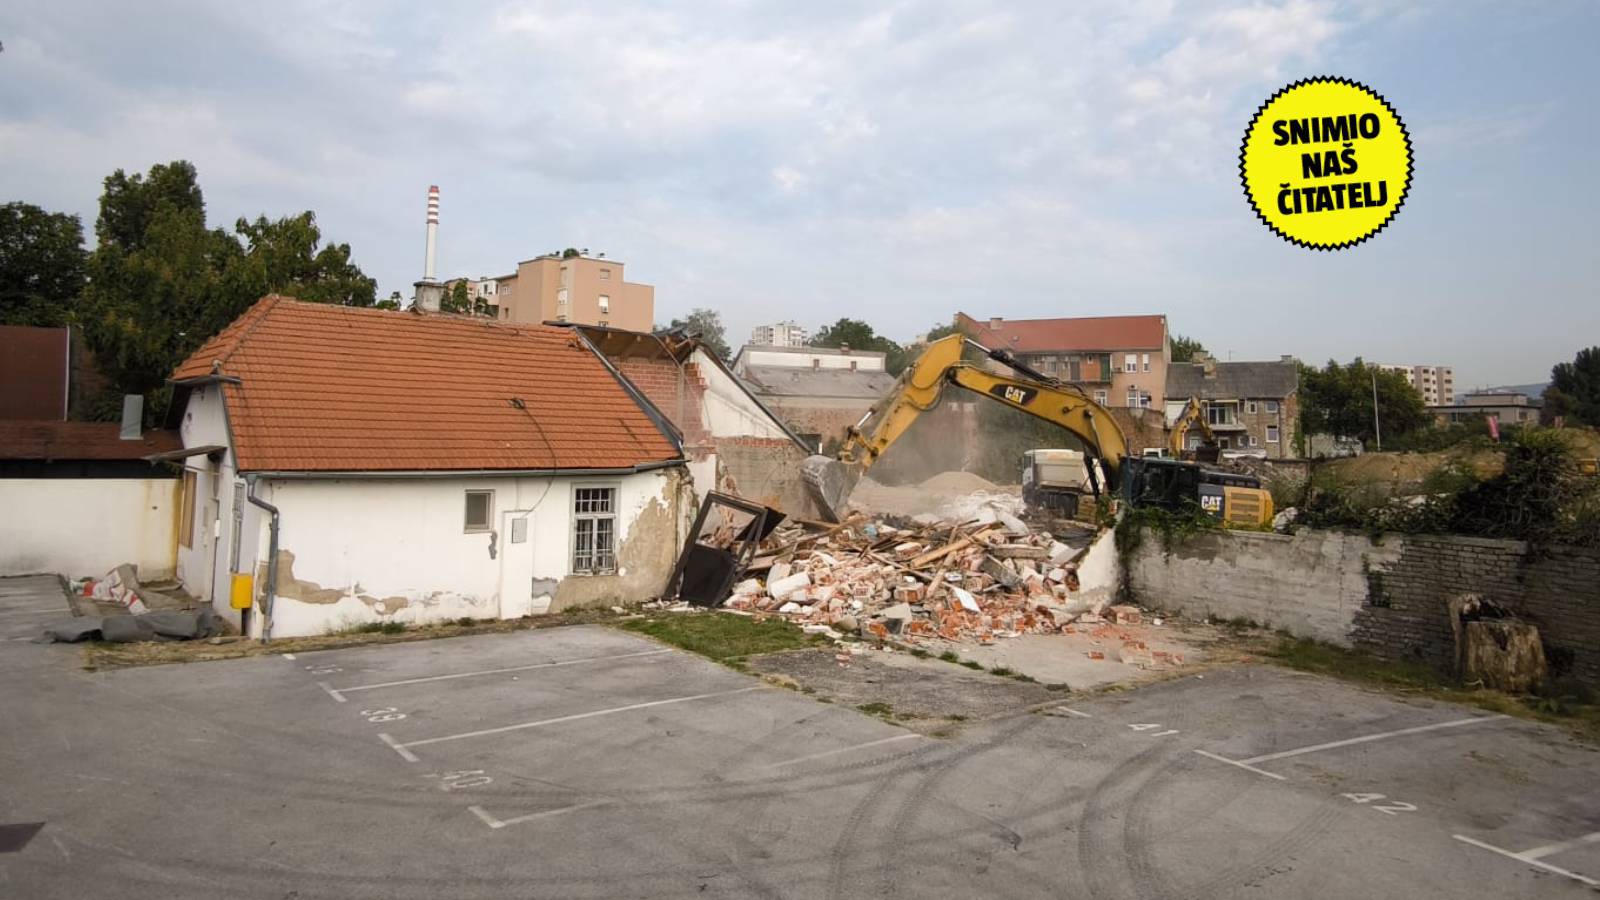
(984, 579)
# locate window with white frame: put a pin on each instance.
(1272, 407)
(605, 304)
(1272, 434)
(1250, 407)
(1144, 360)
(1101, 397)
(480, 509)
(1133, 397)
(594, 530)
(1130, 362)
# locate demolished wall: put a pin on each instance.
(1389, 597)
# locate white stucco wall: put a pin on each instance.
(204, 566)
(368, 550)
(88, 526)
(727, 410)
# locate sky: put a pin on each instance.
(893, 162)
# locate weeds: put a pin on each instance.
(722, 637)
(881, 710)
(949, 656)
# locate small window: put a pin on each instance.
(605, 274)
(852, 365)
(561, 296)
(186, 522)
(605, 303)
(816, 363)
(1144, 358)
(1272, 407)
(1133, 396)
(1250, 407)
(1272, 434)
(1101, 397)
(480, 507)
(594, 530)
(1130, 363)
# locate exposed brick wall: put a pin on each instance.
(677, 393)
(1390, 598)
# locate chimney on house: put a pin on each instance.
(1208, 364)
(132, 417)
(430, 293)
(995, 322)
(843, 347)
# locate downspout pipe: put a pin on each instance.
(270, 589)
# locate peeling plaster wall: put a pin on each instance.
(373, 550)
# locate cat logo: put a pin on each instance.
(1010, 393)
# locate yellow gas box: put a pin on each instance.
(241, 590)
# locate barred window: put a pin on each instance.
(594, 530)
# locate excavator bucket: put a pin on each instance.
(830, 483)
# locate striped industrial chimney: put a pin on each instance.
(433, 232)
(430, 293)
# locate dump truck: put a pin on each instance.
(1109, 468)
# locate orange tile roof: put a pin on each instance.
(1095, 333)
(334, 389)
(33, 439)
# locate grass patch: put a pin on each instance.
(1562, 702)
(1002, 671)
(379, 628)
(972, 664)
(920, 653)
(726, 638)
(949, 656)
(882, 710)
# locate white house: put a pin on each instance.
(344, 466)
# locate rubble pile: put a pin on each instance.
(988, 578)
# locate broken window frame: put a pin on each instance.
(592, 527)
(467, 525)
(719, 555)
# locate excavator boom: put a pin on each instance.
(831, 479)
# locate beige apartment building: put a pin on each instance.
(1120, 360)
(585, 290)
(1436, 384)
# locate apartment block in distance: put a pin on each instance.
(1119, 360)
(583, 290)
(1436, 384)
(781, 334)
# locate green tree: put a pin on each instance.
(858, 335)
(161, 283)
(1184, 348)
(1574, 390)
(706, 324)
(393, 302)
(1337, 400)
(284, 256)
(456, 299)
(42, 265)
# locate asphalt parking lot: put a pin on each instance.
(583, 762)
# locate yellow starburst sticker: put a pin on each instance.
(1326, 163)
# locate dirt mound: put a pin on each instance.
(957, 483)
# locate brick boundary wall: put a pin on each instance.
(1389, 597)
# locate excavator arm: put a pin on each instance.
(919, 389)
(1193, 416)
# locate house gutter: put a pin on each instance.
(467, 473)
(270, 589)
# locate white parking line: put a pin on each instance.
(1529, 860)
(1285, 754)
(331, 692)
(1247, 767)
(493, 822)
(1071, 712)
(827, 753)
(399, 748)
(1549, 849)
(411, 757)
(339, 692)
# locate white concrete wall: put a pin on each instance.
(866, 361)
(1312, 583)
(373, 550)
(88, 526)
(727, 410)
(203, 566)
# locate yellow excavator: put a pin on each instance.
(1192, 417)
(1169, 483)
